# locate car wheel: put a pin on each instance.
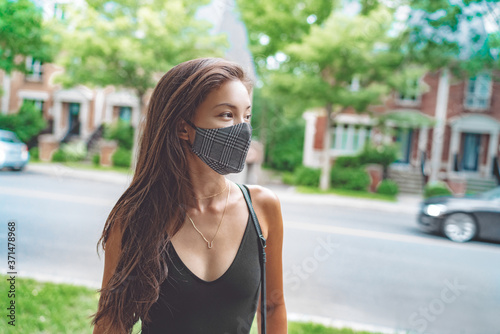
(459, 227)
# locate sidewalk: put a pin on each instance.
(406, 203)
(61, 171)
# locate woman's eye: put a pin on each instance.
(248, 116)
(226, 115)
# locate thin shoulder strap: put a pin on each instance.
(248, 200)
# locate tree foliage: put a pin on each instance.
(125, 43)
(272, 25)
(452, 34)
(22, 34)
(344, 50)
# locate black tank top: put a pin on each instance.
(190, 305)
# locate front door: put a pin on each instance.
(74, 121)
(404, 139)
(471, 147)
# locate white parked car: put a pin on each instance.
(13, 152)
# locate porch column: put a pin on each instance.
(438, 133)
(108, 113)
(492, 150)
(84, 119)
(308, 156)
(454, 148)
(58, 128)
(422, 142)
(98, 107)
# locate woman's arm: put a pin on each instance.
(111, 256)
(268, 210)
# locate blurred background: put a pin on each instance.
(377, 123)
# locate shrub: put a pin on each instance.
(122, 132)
(434, 189)
(285, 145)
(349, 179)
(288, 178)
(348, 161)
(305, 176)
(121, 157)
(74, 151)
(388, 187)
(59, 156)
(96, 159)
(34, 153)
(383, 155)
(26, 123)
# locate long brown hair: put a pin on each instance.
(148, 213)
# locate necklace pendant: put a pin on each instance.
(210, 244)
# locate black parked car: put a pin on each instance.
(463, 218)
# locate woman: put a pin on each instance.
(181, 250)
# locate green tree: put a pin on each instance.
(128, 43)
(344, 63)
(22, 34)
(272, 25)
(449, 34)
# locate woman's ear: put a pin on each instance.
(182, 130)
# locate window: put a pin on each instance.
(345, 134)
(410, 95)
(34, 69)
(478, 92)
(350, 139)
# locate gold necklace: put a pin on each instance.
(211, 243)
(213, 195)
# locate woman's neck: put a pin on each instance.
(207, 185)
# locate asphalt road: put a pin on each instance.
(352, 264)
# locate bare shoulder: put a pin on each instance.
(267, 207)
(264, 197)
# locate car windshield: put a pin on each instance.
(491, 194)
(8, 137)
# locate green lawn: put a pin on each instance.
(51, 308)
(348, 193)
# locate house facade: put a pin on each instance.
(77, 112)
(456, 138)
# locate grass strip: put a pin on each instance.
(55, 308)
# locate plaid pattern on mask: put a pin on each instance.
(223, 149)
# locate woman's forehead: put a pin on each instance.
(230, 94)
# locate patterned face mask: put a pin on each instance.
(223, 149)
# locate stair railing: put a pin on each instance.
(96, 135)
(68, 134)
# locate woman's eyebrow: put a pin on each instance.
(232, 106)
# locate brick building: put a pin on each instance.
(460, 144)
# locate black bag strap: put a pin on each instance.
(248, 199)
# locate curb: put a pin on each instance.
(405, 205)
